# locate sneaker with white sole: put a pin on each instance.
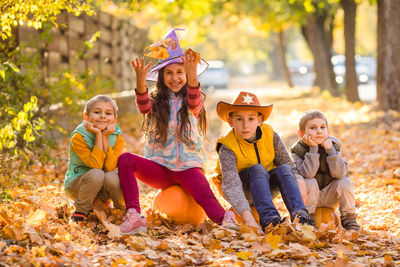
(133, 223)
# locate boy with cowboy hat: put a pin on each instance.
(253, 161)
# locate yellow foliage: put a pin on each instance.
(38, 251)
(244, 255)
(36, 218)
(158, 49)
(35, 14)
(273, 240)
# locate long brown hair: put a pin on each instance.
(155, 123)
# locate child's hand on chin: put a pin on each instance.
(91, 128)
(308, 140)
(327, 144)
(109, 129)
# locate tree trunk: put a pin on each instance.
(381, 47)
(316, 37)
(282, 54)
(392, 57)
(277, 68)
(350, 8)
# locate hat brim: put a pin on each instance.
(152, 75)
(223, 110)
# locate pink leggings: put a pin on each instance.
(157, 176)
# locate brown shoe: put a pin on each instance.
(349, 222)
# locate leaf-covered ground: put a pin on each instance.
(34, 212)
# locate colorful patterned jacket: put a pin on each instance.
(176, 155)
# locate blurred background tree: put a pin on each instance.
(329, 27)
(259, 37)
(388, 78)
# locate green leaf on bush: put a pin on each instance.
(12, 66)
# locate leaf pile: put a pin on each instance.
(35, 227)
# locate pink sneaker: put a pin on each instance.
(132, 223)
(229, 221)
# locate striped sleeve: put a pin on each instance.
(143, 101)
(195, 101)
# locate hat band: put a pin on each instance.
(168, 59)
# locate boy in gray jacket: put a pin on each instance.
(318, 160)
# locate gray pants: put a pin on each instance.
(339, 193)
(96, 183)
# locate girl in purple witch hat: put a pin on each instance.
(174, 127)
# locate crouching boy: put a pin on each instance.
(318, 159)
(94, 149)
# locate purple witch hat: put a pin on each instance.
(170, 52)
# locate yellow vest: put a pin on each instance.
(246, 153)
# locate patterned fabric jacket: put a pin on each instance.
(176, 155)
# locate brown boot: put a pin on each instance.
(349, 222)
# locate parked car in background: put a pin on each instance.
(215, 76)
(299, 67)
(365, 68)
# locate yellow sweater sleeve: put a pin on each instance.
(113, 153)
(92, 158)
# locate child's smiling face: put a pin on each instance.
(245, 123)
(175, 77)
(101, 115)
(317, 130)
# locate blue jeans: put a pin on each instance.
(261, 182)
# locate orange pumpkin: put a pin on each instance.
(326, 215)
(179, 206)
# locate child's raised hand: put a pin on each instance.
(190, 61)
(307, 139)
(91, 128)
(141, 72)
(109, 129)
(327, 144)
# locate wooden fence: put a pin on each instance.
(110, 56)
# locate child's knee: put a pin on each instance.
(125, 158)
(111, 181)
(345, 185)
(284, 171)
(94, 176)
(257, 169)
(284, 168)
(311, 184)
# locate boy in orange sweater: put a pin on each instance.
(94, 149)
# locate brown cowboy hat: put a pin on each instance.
(244, 101)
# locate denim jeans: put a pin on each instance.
(261, 182)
